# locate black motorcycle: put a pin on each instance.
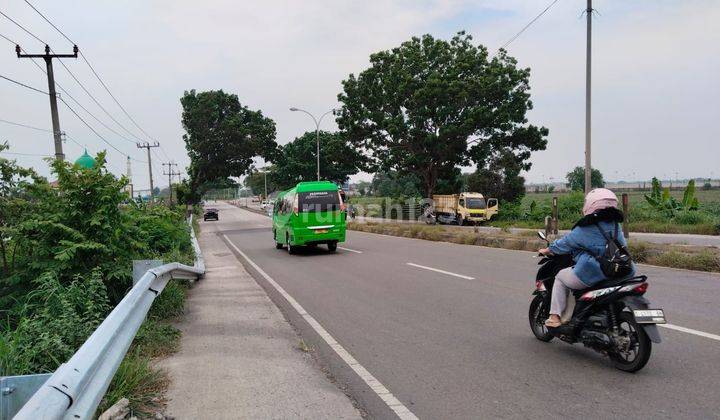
(612, 317)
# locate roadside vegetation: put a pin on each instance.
(66, 250)
(674, 256)
(663, 213)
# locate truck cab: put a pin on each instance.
(467, 207)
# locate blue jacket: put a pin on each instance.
(583, 240)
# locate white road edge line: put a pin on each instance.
(441, 271)
(392, 402)
(690, 331)
(351, 250)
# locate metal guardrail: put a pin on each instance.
(76, 388)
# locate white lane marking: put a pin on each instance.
(262, 225)
(441, 271)
(351, 250)
(690, 331)
(392, 402)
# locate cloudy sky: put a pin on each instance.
(655, 73)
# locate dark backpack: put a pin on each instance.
(615, 261)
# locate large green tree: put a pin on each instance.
(223, 136)
(576, 179)
(296, 161)
(431, 105)
(392, 184)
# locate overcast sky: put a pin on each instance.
(656, 71)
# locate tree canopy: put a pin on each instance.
(576, 179)
(430, 105)
(223, 136)
(496, 185)
(296, 161)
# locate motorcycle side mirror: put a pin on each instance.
(541, 235)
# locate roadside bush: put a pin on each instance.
(66, 254)
(59, 319)
(702, 261)
(686, 217)
(570, 206)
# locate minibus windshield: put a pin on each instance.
(319, 201)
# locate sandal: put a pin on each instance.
(550, 323)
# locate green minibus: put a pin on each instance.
(312, 213)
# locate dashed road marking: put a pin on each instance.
(437, 270)
(392, 402)
(351, 250)
(690, 331)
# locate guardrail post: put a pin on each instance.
(140, 267)
(15, 391)
(548, 226)
(626, 212)
(555, 215)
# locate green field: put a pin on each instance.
(704, 196)
(642, 217)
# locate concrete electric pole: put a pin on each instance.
(57, 134)
(588, 163)
(129, 177)
(147, 146)
(170, 173)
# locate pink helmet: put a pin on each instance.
(599, 198)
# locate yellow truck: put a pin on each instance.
(463, 208)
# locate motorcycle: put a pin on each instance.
(612, 317)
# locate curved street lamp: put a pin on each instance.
(317, 133)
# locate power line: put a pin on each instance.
(91, 128)
(8, 39)
(24, 154)
(100, 106)
(86, 91)
(26, 126)
(70, 96)
(529, 24)
(104, 85)
(22, 27)
(74, 100)
(23, 85)
(73, 76)
(48, 21)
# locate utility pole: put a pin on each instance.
(129, 177)
(170, 174)
(147, 146)
(588, 61)
(57, 134)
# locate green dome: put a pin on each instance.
(85, 161)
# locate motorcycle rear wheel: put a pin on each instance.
(537, 315)
(640, 348)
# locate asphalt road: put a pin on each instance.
(460, 347)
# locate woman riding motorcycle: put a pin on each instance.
(584, 242)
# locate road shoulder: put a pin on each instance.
(239, 357)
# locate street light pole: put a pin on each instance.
(588, 61)
(265, 174)
(317, 134)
